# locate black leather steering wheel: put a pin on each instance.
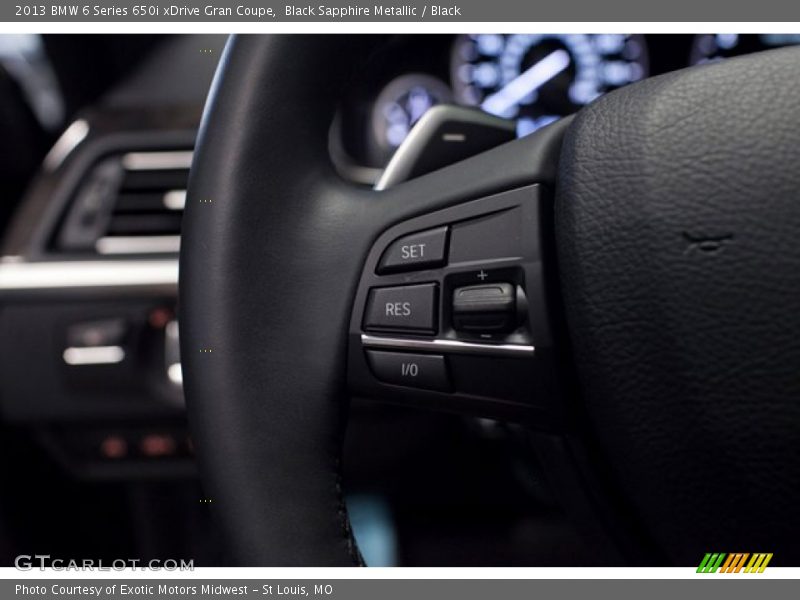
(662, 225)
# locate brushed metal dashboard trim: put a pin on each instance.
(448, 346)
(66, 275)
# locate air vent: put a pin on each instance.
(129, 204)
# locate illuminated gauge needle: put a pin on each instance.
(531, 80)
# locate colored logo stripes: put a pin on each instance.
(734, 563)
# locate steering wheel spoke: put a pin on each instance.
(451, 309)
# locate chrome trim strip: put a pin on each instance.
(19, 276)
(69, 140)
(94, 355)
(138, 244)
(157, 161)
(174, 200)
(451, 346)
(175, 374)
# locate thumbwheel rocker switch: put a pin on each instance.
(485, 308)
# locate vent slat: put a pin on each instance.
(154, 180)
(135, 203)
(129, 204)
(144, 224)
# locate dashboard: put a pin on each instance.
(89, 352)
(533, 79)
(88, 273)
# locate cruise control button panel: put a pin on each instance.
(402, 308)
(424, 371)
(451, 312)
(420, 250)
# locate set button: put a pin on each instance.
(404, 308)
(424, 249)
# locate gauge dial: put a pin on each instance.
(402, 103)
(710, 48)
(537, 78)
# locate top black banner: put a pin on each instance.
(250, 11)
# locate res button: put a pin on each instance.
(426, 371)
(416, 251)
(406, 307)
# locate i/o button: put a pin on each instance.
(425, 371)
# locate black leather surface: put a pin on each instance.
(272, 249)
(263, 380)
(678, 234)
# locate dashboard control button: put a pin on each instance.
(408, 307)
(426, 371)
(415, 251)
(485, 308)
(500, 235)
(106, 332)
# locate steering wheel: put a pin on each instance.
(624, 284)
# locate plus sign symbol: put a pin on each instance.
(483, 275)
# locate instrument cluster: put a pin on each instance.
(533, 79)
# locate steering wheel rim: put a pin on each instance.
(273, 248)
(254, 503)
